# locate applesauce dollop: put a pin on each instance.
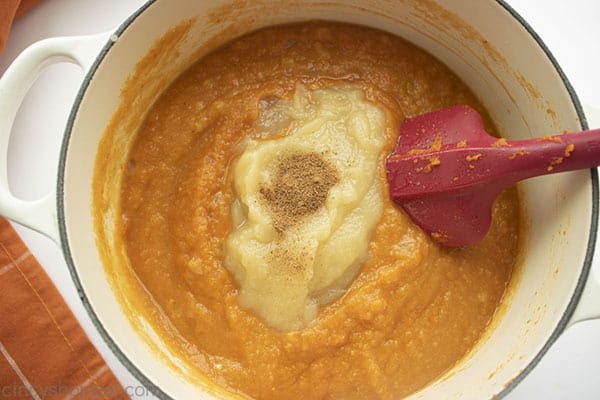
(306, 205)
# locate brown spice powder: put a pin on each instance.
(300, 187)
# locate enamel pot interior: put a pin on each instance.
(483, 42)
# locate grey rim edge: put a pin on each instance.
(593, 229)
(131, 367)
(156, 390)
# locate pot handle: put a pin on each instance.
(40, 214)
(589, 303)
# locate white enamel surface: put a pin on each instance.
(15, 82)
(40, 214)
(515, 342)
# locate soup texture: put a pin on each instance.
(366, 309)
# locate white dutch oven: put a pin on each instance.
(484, 42)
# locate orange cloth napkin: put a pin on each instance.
(44, 352)
(9, 10)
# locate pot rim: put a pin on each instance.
(153, 387)
(593, 229)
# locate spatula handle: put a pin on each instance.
(552, 154)
(495, 164)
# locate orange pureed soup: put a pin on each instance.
(406, 312)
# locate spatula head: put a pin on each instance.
(446, 170)
(453, 221)
(451, 218)
(454, 126)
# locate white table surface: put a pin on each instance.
(571, 30)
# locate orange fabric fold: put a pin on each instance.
(44, 352)
(9, 10)
(24, 6)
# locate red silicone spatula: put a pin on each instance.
(446, 170)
